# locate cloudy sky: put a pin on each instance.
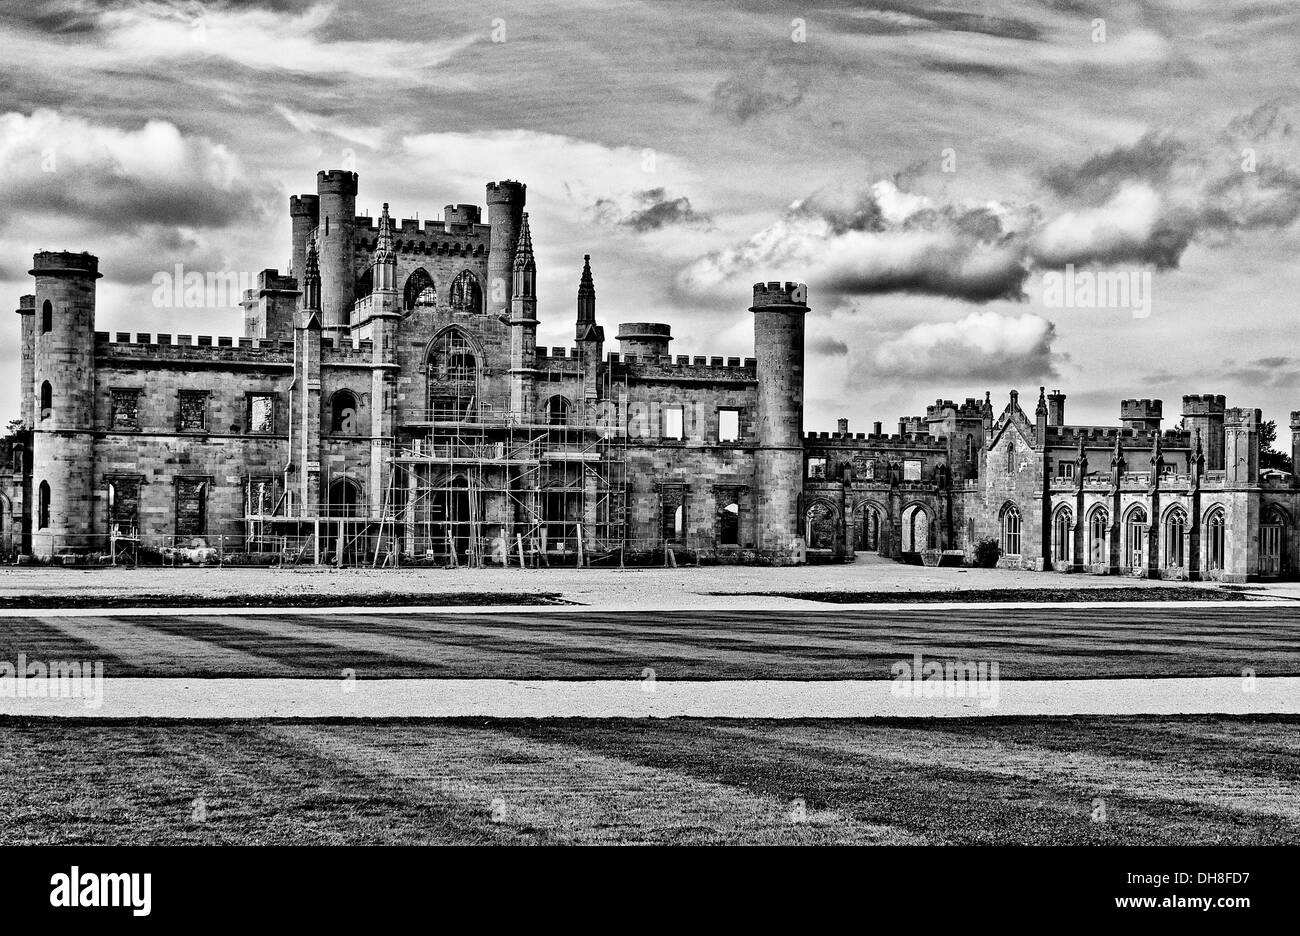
(925, 167)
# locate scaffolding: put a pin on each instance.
(470, 485)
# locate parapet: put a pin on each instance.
(506, 192)
(655, 331)
(1295, 419)
(1204, 404)
(780, 294)
(1141, 409)
(64, 263)
(304, 206)
(1240, 417)
(26, 305)
(146, 350)
(336, 182)
(461, 214)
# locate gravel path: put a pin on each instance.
(498, 698)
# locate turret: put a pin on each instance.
(1056, 408)
(644, 339)
(1295, 443)
(779, 310)
(311, 287)
(1040, 416)
(1241, 445)
(337, 192)
(383, 263)
(1203, 412)
(523, 327)
(505, 204)
(304, 215)
(27, 362)
(1141, 415)
(63, 377)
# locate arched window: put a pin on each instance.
(465, 293)
(1062, 552)
(1135, 549)
(419, 291)
(916, 529)
(820, 533)
(366, 284)
(343, 413)
(972, 466)
(729, 525)
(344, 496)
(1097, 526)
(43, 506)
(451, 374)
(1214, 540)
(1175, 527)
(1272, 541)
(1011, 531)
(47, 317)
(47, 400)
(557, 411)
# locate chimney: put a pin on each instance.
(843, 425)
(1056, 408)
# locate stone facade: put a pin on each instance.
(389, 391)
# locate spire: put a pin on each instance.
(384, 260)
(1041, 409)
(1117, 456)
(587, 329)
(524, 247)
(311, 281)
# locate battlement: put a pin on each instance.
(684, 367)
(336, 182)
(461, 215)
(1131, 438)
(269, 281)
(304, 206)
(506, 192)
(1240, 417)
(1141, 409)
(631, 331)
(26, 305)
(970, 409)
(1204, 404)
(64, 263)
(780, 294)
(142, 348)
(345, 351)
(911, 440)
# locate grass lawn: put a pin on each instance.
(1207, 780)
(1064, 643)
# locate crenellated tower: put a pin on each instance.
(779, 311)
(63, 377)
(505, 204)
(304, 215)
(523, 327)
(335, 232)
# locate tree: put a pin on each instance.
(1268, 456)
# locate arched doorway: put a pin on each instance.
(916, 529)
(866, 528)
(452, 517)
(820, 525)
(1063, 539)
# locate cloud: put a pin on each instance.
(754, 92)
(655, 211)
(1130, 227)
(981, 346)
(831, 347)
(887, 240)
(122, 179)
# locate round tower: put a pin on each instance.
(337, 194)
(304, 214)
(505, 204)
(644, 339)
(63, 513)
(779, 310)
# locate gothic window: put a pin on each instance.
(47, 400)
(820, 526)
(1097, 536)
(343, 413)
(43, 506)
(124, 503)
(1061, 537)
(47, 317)
(126, 410)
(343, 498)
(419, 291)
(465, 293)
(1011, 531)
(1135, 538)
(193, 416)
(1065, 470)
(672, 512)
(817, 468)
(729, 524)
(1175, 526)
(191, 506)
(261, 413)
(557, 411)
(1214, 540)
(972, 466)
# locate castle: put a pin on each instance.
(388, 404)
